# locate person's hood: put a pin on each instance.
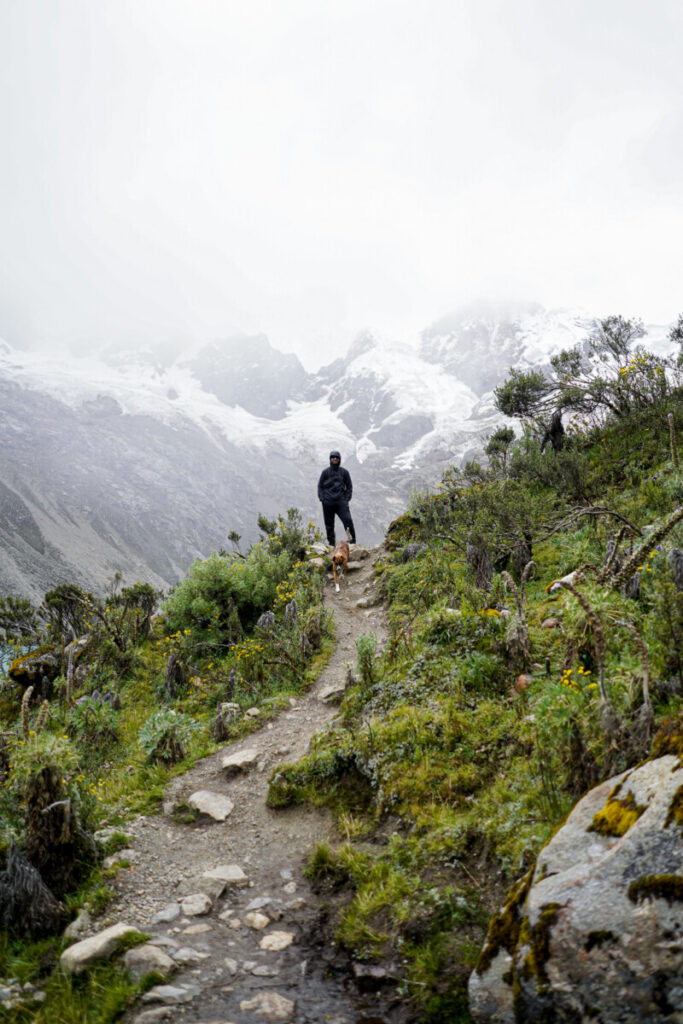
(335, 455)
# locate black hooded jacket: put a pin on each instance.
(334, 484)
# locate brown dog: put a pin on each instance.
(340, 561)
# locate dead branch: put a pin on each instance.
(568, 519)
(631, 564)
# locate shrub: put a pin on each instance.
(224, 595)
(165, 736)
(288, 533)
(95, 725)
(52, 807)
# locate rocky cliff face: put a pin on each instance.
(142, 461)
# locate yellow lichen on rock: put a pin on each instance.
(617, 816)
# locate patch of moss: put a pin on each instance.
(675, 813)
(663, 887)
(401, 531)
(537, 938)
(617, 816)
(131, 940)
(596, 939)
(112, 871)
(117, 841)
(668, 738)
(183, 814)
(541, 873)
(504, 927)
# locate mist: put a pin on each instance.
(177, 172)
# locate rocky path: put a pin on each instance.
(227, 905)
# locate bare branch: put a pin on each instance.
(631, 564)
(573, 515)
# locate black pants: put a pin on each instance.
(341, 509)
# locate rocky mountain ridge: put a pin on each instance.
(140, 462)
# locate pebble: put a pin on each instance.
(163, 940)
(258, 903)
(116, 858)
(197, 929)
(275, 941)
(213, 887)
(197, 904)
(142, 960)
(231, 874)
(152, 1016)
(187, 955)
(171, 995)
(216, 805)
(295, 904)
(256, 921)
(169, 913)
(241, 761)
(263, 971)
(270, 1005)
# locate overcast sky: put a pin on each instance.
(186, 169)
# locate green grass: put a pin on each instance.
(445, 786)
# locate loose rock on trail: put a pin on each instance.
(231, 915)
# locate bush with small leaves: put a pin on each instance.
(165, 736)
(94, 725)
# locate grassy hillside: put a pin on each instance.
(499, 698)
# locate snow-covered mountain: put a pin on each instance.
(143, 461)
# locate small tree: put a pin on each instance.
(498, 447)
(605, 376)
(675, 336)
(19, 620)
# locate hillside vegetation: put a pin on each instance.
(535, 648)
(103, 702)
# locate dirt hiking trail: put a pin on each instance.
(250, 950)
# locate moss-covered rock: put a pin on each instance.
(617, 816)
(605, 894)
(30, 669)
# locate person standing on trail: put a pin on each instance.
(334, 491)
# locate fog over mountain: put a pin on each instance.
(140, 462)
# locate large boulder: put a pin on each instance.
(37, 668)
(595, 930)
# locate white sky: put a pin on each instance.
(188, 168)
